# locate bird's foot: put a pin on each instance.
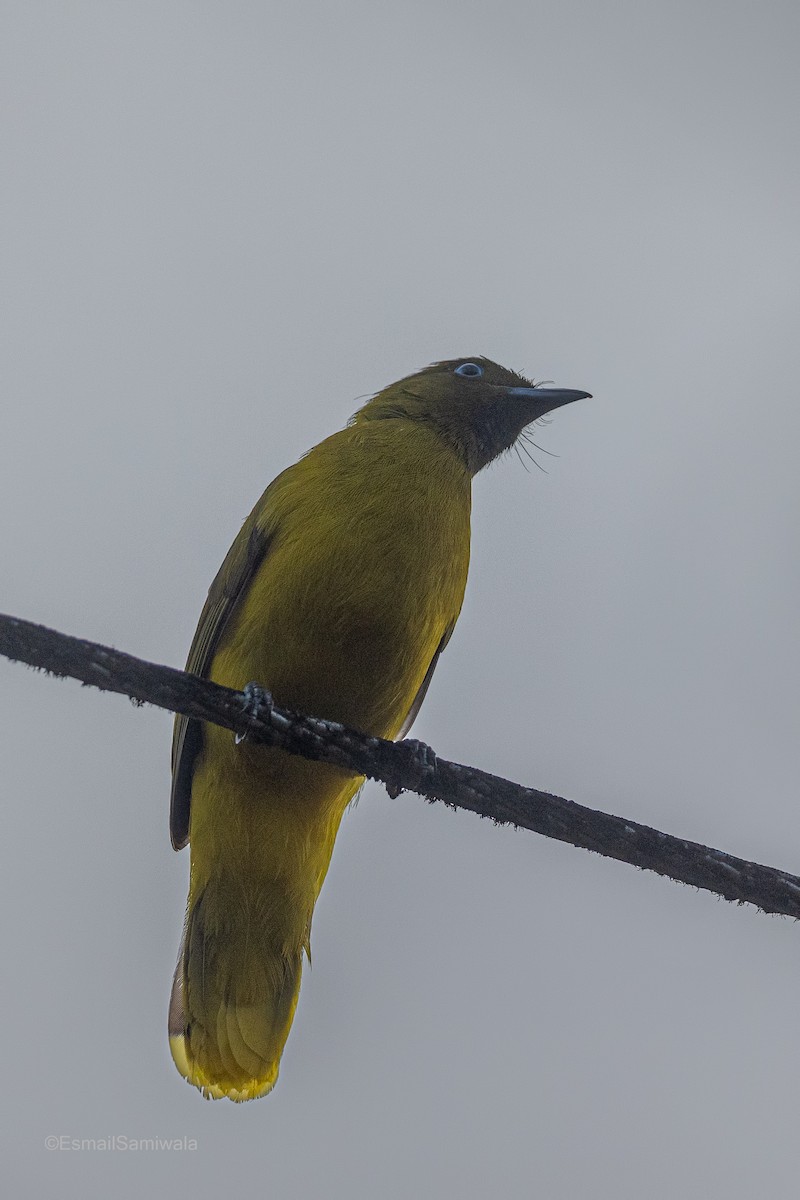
(424, 755)
(257, 702)
(423, 758)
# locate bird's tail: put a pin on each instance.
(234, 994)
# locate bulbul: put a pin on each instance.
(339, 594)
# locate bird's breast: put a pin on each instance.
(366, 573)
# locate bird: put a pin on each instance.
(338, 596)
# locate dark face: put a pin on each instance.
(479, 407)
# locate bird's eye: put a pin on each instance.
(469, 371)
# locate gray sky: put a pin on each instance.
(225, 222)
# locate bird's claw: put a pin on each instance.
(257, 699)
(424, 755)
(424, 759)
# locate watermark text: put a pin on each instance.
(117, 1142)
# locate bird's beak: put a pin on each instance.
(544, 400)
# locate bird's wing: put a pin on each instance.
(423, 687)
(230, 585)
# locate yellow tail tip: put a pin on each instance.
(214, 1089)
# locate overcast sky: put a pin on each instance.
(224, 223)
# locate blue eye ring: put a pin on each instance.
(469, 370)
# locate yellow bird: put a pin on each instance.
(338, 596)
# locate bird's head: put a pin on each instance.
(478, 407)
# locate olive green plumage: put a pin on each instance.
(338, 595)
